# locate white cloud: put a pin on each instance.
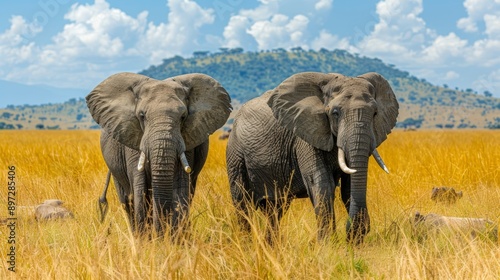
(15, 47)
(485, 50)
(279, 32)
(476, 10)
(98, 41)
(400, 29)
(444, 48)
(178, 35)
(399, 35)
(235, 31)
(467, 24)
(329, 41)
(323, 4)
(492, 23)
(489, 82)
(268, 28)
(451, 75)
(95, 31)
(262, 12)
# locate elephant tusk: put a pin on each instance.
(185, 163)
(342, 163)
(142, 159)
(379, 160)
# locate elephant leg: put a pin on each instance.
(345, 190)
(125, 197)
(318, 178)
(274, 211)
(239, 183)
(183, 195)
(321, 192)
(180, 209)
(322, 201)
(140, 201)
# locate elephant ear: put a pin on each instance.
(112, 105)
(209, 106)
(388, 107)
(298, 104)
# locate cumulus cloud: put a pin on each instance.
(400, 30)
(401, 37)
(489, 82)
(451, 75)
(330, 41)
(95, 31)
(235, 31)
(443, 48)
(483, 13)
(492, 23)
(476, 10)
(15, 47)
(267, 27)
(323, 4)
(279, 32)
(99, 40)
(178, 35)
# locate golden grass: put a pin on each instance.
(68, 165)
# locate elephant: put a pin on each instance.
(154, 141)
(302, 138)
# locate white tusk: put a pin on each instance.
(342, 164)
(142, 159)
(185, 163)
(379, 160)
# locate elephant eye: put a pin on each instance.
(335, 112)
(142, 115)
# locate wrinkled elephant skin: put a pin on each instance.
(155, 141)
(302, 138)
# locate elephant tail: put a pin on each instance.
(103, 202)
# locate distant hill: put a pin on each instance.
(246, 75)
(72, 114)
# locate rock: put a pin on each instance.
(464, 226)
(52, 209)
(445, 195)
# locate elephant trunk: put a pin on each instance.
(163, 160)
(359, 150)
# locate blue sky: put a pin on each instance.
(77, 44)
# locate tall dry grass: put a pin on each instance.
(68, 165)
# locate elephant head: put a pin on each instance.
(162, 120)
(352, 114)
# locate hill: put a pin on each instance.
(246, 75)
(72, 114)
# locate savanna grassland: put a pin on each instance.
(68, 165)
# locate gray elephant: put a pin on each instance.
(300, 139)
(155, 141)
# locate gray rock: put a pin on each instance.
(52, 209)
